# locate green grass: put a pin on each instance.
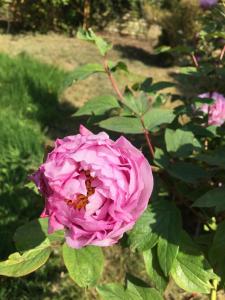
(30, 107)
(29, 93)
(30, 88)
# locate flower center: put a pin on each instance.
(82, 200)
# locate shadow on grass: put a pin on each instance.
(163, 60)
(55, 117)
(33, 90)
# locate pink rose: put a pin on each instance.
(215, 111)
(94, 187)
(207, 3)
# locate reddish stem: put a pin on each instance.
(148, 139)
(122, 100)
(194, 59)
(222, 53)
(113, 82)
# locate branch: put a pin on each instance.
(113, 82)
(148, 139)
(122, 100)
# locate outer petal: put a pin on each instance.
(84, 131)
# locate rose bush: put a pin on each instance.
(94, 187)
(215, 111)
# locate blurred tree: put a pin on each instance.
(87, 14)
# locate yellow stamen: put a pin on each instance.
(90, 191)
(82, 200)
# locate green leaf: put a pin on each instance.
(169, 230)
(180, 142)
(161, 158)
(187, 172)
(148, 87)
(190, 270)
(141, 237)
(98, 106)
(90, 36)
(188, 70)
(131, 292)
(134, 292)
(217, 251)
(157, 116)
(32, 186)
(19, 265)
(162, 49)
(35, 232)
(149, 294)
(167, 252)
(153, 269)
(159, 100)
(161, 220)
(115, 291)
(142, 86)
(139, 105)
(183, 49)
(122, 124)
(120, 65)
(199, 101)
(112, 291)
(155, 87)
(82, 72)
(214, 158)
(198, 130)
(179, 49)
(213, 198)
(85, 265)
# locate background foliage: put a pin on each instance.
(178, 18)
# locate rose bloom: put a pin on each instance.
(215, 111)
(94, 188)
(208, 3)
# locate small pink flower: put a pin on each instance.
(205, 4)
(215, 111)
(94, 188)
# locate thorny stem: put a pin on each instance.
(122, 100)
